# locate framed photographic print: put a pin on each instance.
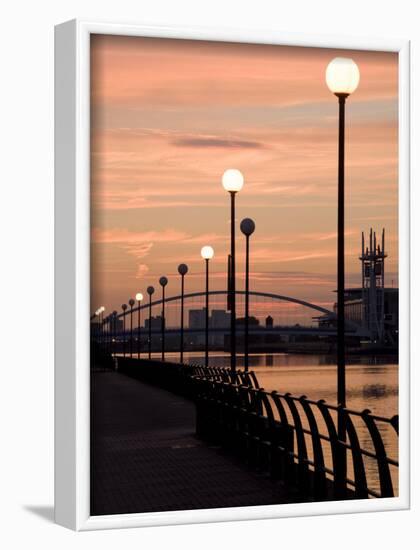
(232, 281)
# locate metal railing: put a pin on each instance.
(292, 439)
(295, 439)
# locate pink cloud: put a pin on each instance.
(125, 236)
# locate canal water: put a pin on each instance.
(371, 383)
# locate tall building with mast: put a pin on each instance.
(372, 305)
(373, 284)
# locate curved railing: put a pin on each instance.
(293, 439)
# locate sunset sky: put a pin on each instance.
(170, 116)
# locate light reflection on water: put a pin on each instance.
(371, 382)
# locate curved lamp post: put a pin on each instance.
(342, 77)
(163, 281)
(207, 254)
(139, 298)
(247, 228)
(232, 181)
(182, 270)
(124, 308)
(150, 292)
(131, 303)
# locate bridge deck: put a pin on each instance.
(145, 457)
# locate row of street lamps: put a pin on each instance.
(207, 253)
(342, 78)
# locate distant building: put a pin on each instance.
(372, 306)
(269, 322)
(197, 318)
(219, 318)
(116, 325)
(385, 323)
(252, 321)
(156, 323)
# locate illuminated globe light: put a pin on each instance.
(232, 180)
(342, 76)
(139, 296)
(207, 252)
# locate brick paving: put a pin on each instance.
(145, 457)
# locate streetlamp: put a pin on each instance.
(131, 303)
(163, 281)
(101, 321)
(139, 298)
(150, 291)
(207, 254)
(342, 77)
(124, 308)
(106, 335)
(232, 181)
(113, 329)
(182, 270)
(95, 336)
(247, 228)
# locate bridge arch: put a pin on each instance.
(273, 296)
(350, 324)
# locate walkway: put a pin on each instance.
(146, 458)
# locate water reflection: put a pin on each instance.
(372, 381)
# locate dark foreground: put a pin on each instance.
(145, 457)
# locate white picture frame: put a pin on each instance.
(72, 239)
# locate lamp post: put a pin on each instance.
(207, 254)
(163, 281)
(95, 336)
(247, 228)
(139, 298)
(342, 77)
(182, 270)
(150, 291)
(101, 321)
(232, 181)
(131, 303)
(106, 334)
(124, 308)
(113, 329)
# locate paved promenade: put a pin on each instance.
(146, 458)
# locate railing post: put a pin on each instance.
(337, 452)
(320, 479)
(381, 457)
